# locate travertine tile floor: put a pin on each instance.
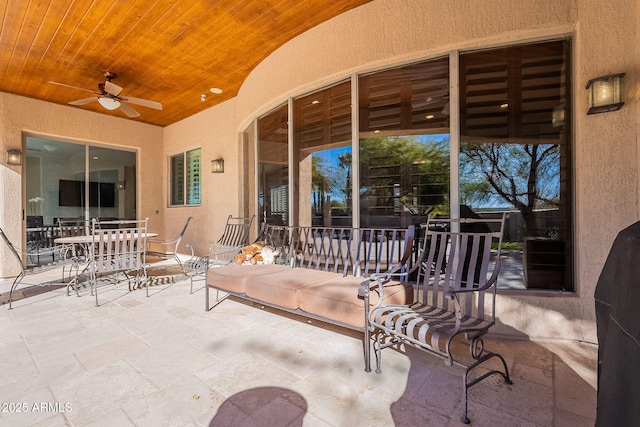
(164, 361)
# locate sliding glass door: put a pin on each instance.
(66, 180)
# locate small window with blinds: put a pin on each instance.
(185, 173)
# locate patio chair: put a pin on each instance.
(222, 251)
(62, 259)
(171, 246)
(69, 227)
(118, 247)
(456, 275)
(234, 237)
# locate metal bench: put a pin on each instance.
(317, 271)
(455, 280)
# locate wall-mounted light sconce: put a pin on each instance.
(217, 166)
(605, 93)
(14, 157)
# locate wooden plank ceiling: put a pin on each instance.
(165, 51)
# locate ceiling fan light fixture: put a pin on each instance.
(109, 103)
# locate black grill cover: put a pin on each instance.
(617, 300)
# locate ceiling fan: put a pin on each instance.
(108, 95)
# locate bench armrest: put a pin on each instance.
(196, 265)
(222, 254)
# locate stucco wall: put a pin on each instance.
(215, 130)
(19, 115)
(388, 32)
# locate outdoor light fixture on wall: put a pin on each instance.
(14, 157)
(605, 93)
(217, 166)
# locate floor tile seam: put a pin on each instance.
(158, 388)
(65, 414)
(279, 366)
(499, 410)
(136, 336)
(223, 393)
(321, 409)
(144, 377)
(31, 354)
(555, 359)
(515, 411)
(182, 339)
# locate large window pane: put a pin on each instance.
(322, 138)
(515, 155)
(112, 189)
(404, 144)
(273, 168)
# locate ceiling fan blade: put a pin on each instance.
(75, 87)
(143, 102)
(83, 101)
(112, 88)
(130, 112)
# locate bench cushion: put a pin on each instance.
(337, 299)
(281, 288)
(234, 277)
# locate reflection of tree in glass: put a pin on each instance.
(526, 176)
(328, 179)
(412, 170)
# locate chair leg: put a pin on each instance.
(367, 349)
(14, 286)
(206, 297)
(378, 349)
(468, 384)
(146, 279)
(94, 286)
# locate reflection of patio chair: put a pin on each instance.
(221, 252)
(120, 249)
(24, 271)
(171, 246)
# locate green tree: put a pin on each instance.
(410, 170)
(526, 176)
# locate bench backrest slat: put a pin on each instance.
(358, 252)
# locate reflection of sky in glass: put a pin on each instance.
(329, 163)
